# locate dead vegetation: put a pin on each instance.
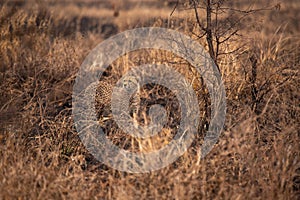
(42, 157)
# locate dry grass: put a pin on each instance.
(42, 157)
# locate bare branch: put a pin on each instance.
(199, 36)
(231, 52)
(176, 5)
(247, 11)
(197, 16)
(229, 36)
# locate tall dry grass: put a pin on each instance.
(42, 157)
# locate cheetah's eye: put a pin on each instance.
(125, 85)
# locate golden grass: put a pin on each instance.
(42, 157)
